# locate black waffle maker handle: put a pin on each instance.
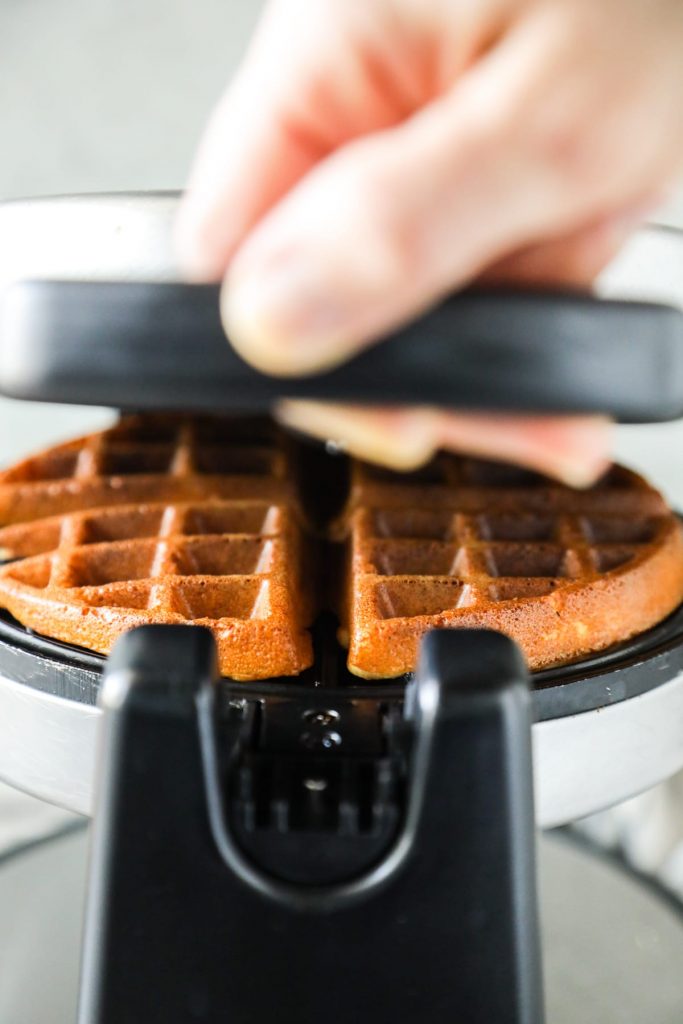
(240, 873)
(147, 346)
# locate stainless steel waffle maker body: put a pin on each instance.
(306, 824)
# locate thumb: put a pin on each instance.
(301, 92)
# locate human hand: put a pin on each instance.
(370, 157)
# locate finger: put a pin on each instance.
(382, 228)
(253, 148)
(573, 260)
(247, 160)
(302, 90)
(572, 449)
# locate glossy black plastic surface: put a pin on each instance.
(161, 346)
(186, 922)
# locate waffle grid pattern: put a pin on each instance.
(211, 559)
(465, 542)
(145, 459)
(418, 558)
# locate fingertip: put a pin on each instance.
(580, 475)
(250, 332)
(262, 329)
(402, 440)
(572, 449)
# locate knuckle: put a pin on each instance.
(393, 229)
(569, 154)
(571, 146)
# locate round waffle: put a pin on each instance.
(162, 520)
(199, 520)
(473, 544)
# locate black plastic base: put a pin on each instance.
(427, 914)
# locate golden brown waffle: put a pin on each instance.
(178, 520)
(162, 519)
(473, 544)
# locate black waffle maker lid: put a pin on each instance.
(160, 345)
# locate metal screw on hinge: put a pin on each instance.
(323, 717)
(326, 740)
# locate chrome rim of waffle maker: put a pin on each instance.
(605, 727)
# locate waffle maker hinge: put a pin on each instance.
(241, 873)
(315, 794)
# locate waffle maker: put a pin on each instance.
(369, 846)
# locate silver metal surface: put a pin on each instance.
(128, 236)
(121, 236)
(612, 949)
(585, 763)
(582, 763)
(47, 745)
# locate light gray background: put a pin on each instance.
(103, 95)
